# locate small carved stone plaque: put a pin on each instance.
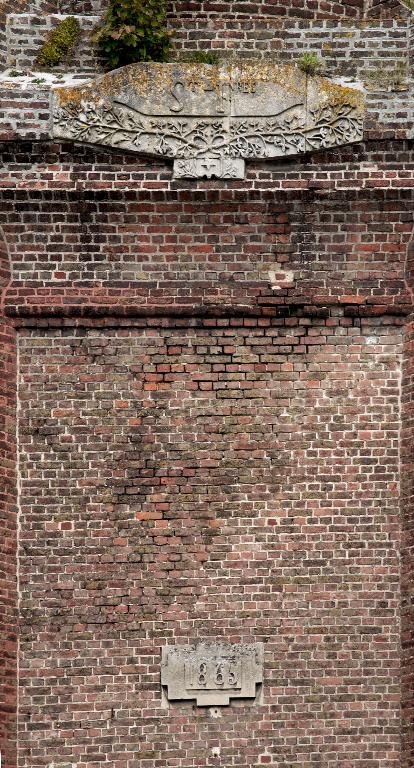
(210, 119)
(212, 674)
(209, 167)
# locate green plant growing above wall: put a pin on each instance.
(60, 43)
(310, 64)
(134, 30)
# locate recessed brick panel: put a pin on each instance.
(223, 479)
(8, 523)
(407, 550)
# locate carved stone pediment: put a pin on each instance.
(209, 119)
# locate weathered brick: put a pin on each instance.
(214, 421)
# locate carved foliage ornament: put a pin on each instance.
(209, 119)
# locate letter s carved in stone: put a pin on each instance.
(177, 94)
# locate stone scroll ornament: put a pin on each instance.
(209, 120)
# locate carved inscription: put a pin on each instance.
(178, 93)
(187, 114)
(212, 674)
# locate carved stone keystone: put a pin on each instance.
(212, 673)
(209, 119)
(209, 167)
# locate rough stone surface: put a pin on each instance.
(204, 112)
(213, 674)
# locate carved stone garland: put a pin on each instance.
(209, 119)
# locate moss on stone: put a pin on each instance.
(201, 57)
(59, 43)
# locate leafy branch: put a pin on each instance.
(134, 30)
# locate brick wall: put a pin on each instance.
(386, 8)
(25, 112)
(193, 18)
(225, 465)
(18, 6)
(407, 532)
(26, 34)
(39, 9)
(262, 8)
(244, 28)
(191, 247)
(407, 560)
(212, 382)
(345, 49)
(411, 45)
(226, 478)
(8, 524)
